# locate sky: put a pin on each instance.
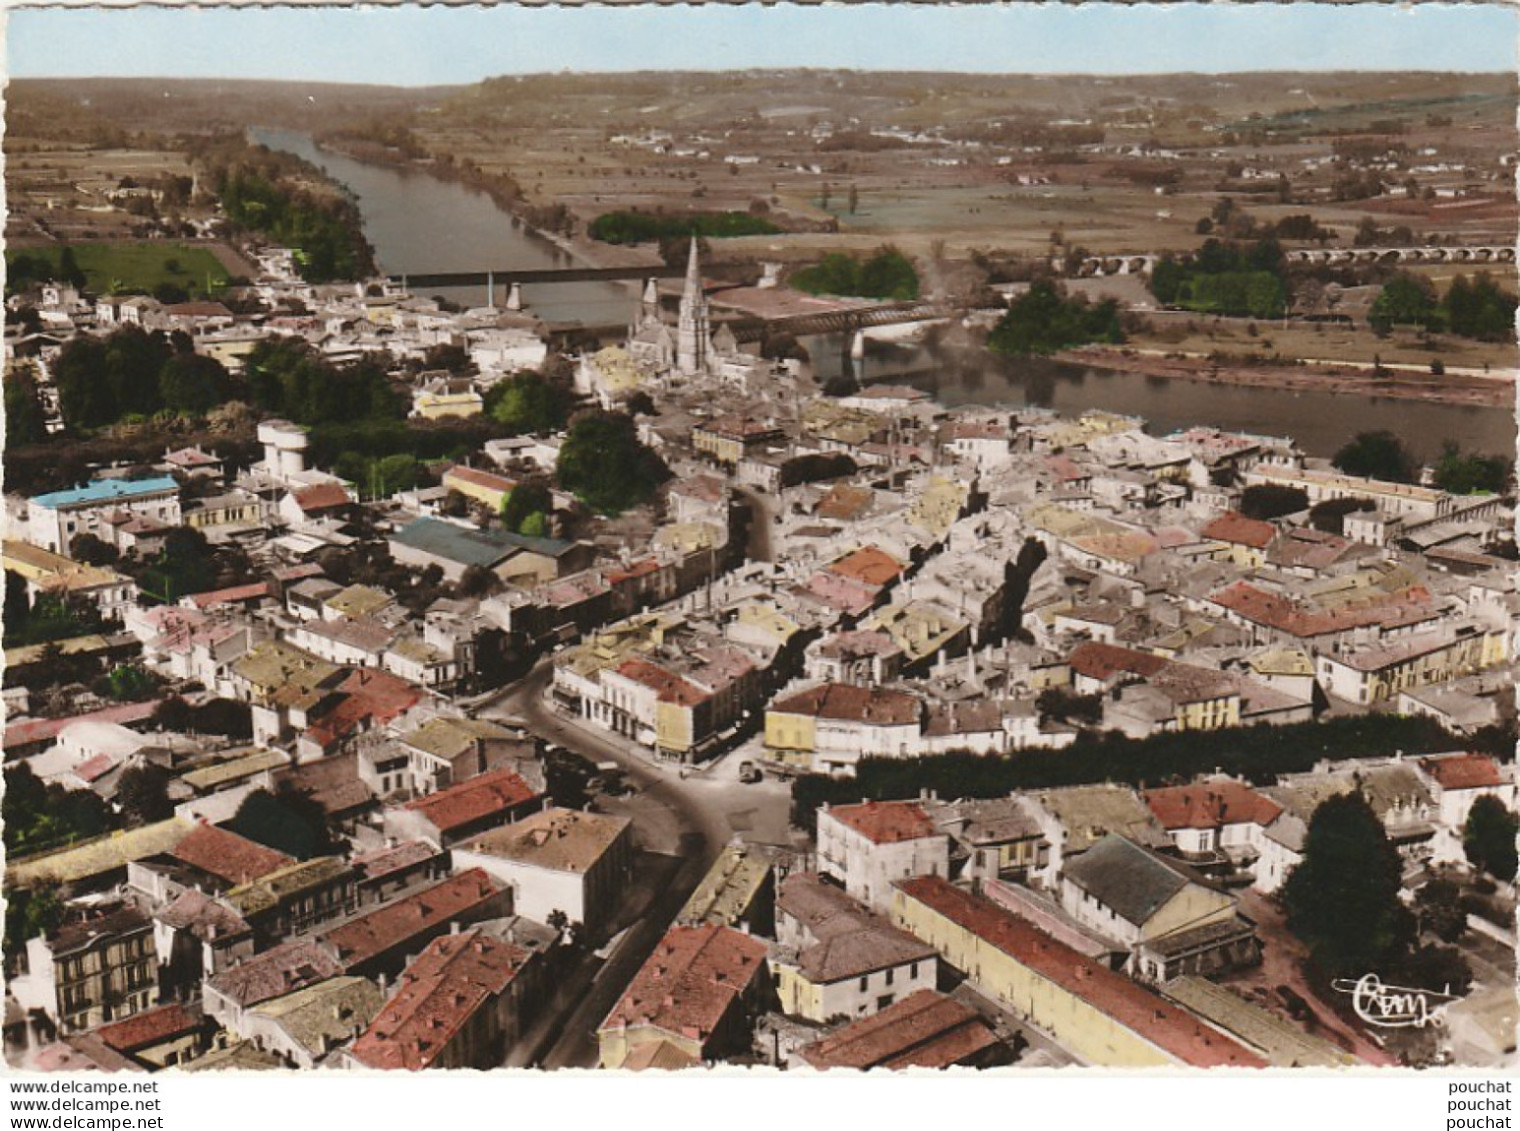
(413, 46)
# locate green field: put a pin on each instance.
(126, 267)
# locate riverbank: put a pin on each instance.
(586, 251)
(1460, 388)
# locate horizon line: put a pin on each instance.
(618, 72)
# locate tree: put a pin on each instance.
(91, 550)
(68, 268)
(29, 913)
(1266, 501)
(1043, 320)
(528, 498)
(1377, 455)
(603, 463)
(477, 581)
(286, 820)
(183, 566)
(1064, 706)
(193, 383)
(100, 381)
(1479, 309)
(129, 683)
(1405, 300)
(1343, 897)
(1470, 474)
(1488, 838)
(25, 418)
(527, 402)
(143, 794)
(1438, 906)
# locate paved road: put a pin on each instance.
(685, 819)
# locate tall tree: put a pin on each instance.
(1377, 455)
(603, 463)
(1488, 838)
(1343, 897)
(143, 794)
(25, 418)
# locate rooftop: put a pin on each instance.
(373, 934)
(1462, 771)
(849, 703)
(1211, 805)
(498, 791)
(886, 822)
(690, 982)
(272, 888)
(924, 1030)
(227, 856)
(728, 889)
(96, 857)
(106, 491)
(1240, 530)
(1134, 882)
(1174, 1032)
(280, 970)
(324, 1013)
(148, 1028)
(438, 993)
(560, 840)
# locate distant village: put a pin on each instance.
(825, 584)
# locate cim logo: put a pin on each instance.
(1391, 1007)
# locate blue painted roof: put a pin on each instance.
(105, 490)
(472, 547)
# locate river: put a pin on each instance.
(417, 223)
(1319, 421)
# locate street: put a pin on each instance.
(680, 824)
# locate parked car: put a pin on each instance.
(749, 772)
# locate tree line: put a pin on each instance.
(1471, 308)
(1044, 320)
(888, 274)
(261, 191)
(1257, 754)
(633, 226)
(1225, 278)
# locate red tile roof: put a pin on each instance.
(690, 982)
(227, 855)
(1101, 661)
(478, 478)
(1153, 1018)
(369, 696)
(847, 702)
(1210, 805)
(257, 591)
(148, 1028)
(869, 564)
(1243, 531)
(885, 822)
(499, 791)
(439, 992)
(924, 1030)
(1463, 771)
(324, 496)
(388, 926)
(1272, 610)
(45, 730)
(280, 970)
(667, 686)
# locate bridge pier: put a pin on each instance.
(514, 297)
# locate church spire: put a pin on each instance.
(693, 334)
